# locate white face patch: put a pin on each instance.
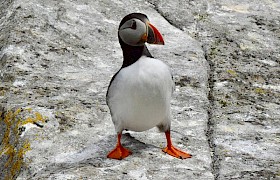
(131, 32)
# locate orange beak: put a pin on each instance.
(153, 36)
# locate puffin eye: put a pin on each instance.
(133, 26)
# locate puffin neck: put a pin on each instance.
(132, 53)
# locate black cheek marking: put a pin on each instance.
(133, 26)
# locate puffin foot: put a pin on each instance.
(119, 153)
(171, 150)
(176, 152)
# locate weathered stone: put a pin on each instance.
(60, 56)
(241, 43)
(57, 58)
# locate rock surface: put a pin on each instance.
(241, 42)
(57, 58)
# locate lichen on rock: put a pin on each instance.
(13, 148)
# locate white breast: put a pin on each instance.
(139, 97)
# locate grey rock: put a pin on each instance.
(56, 61)
(241, 43)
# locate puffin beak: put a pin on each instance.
(154, 36)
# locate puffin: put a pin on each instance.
(139, 94)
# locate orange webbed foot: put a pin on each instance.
(176, 152)
(171, 150)
(119, 153)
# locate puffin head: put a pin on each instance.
(135, 29)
